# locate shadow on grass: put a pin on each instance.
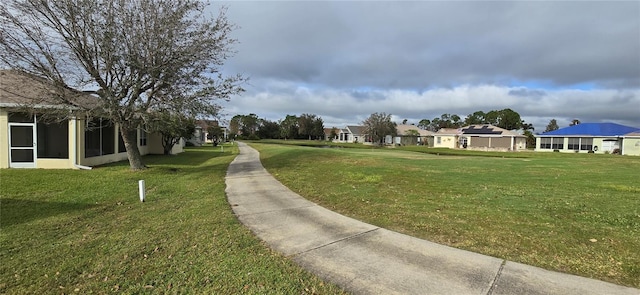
(191, 157)
(17, 211)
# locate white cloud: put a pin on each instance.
(420, 59)
(341, 107)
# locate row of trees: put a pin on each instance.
(305, 126)
(505, 118)
(377, 126)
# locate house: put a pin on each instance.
(352, 134)
(591, 138)
(446, 138)
(331, 134)
(483, 137)
(491, 138)
(201, 134)
(29, 141)
(631, 144)
(412, 135)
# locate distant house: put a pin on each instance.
(488, 137)
(631, 144)
(28, 141)
(412, 135)
(480, 137)
(201, 134)
(352, 134)
(331, 134)
(446, 138)
(591, 138)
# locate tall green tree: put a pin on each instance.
(139, 56)
(244, 126)
(445, 121)
(378, 126)
(553, 125)
(505, 118)
(268, 129)
(527, 126)
(456, 121)
(509, 119)
(318, 128)
(531, 139)
(476, 118)
(310, 126)
(424, 124)
(215, 134)
(492, 117)
(249, 125)
(435, 125)
(289, 127)
(234, 126)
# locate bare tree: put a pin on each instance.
(138, 56)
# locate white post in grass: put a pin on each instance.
(141, 190)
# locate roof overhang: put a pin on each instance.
(38, 106)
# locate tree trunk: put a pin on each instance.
(167, 148)
(130, 138)
(167, 143)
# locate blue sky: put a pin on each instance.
(419, 59)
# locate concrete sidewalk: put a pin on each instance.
(365, 259)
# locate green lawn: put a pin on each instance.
(575, 213)
(71, 231)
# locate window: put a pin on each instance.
(463, 142)
(586, 143)
(438, 139)
(21, 118)
(574, 143)
(557, 143)
(143, 137)
(202, 134)
(121, 147)
(545, 143)
(53, 140)
(99, 138)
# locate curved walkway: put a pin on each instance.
(365, 259)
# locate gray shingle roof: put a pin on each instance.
(19, 89)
